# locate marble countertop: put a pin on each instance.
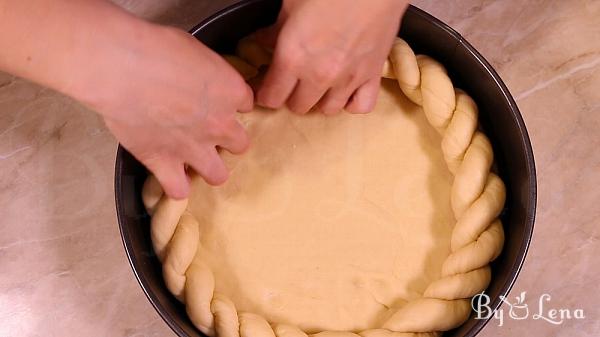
(63, 268)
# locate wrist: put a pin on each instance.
(100, 54)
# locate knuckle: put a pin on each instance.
(216, 127)
(338, 58)
(355, 80)
(288, 61)
(289, 56)
(329, 69)
(325, 72)
(239, 85)
(212, 123)
(234, 131)
(200, 159)
(228, 133)
(151, 159)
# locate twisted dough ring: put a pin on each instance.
(477, 198)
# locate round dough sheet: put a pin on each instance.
(327, 221)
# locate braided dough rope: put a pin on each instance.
(477, 198)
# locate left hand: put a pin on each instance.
(329, 54)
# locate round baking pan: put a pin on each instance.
(499, 117)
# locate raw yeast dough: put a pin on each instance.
(327, 221)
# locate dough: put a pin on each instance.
(340, 223)
(327, 221)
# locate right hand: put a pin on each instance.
(170, 101)
(329, 54)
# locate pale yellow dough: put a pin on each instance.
(378, 224)
(327, 221)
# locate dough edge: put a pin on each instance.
(477, 199)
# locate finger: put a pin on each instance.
(365, 97)
(255, 83)
(234, 138)
(335, 99)
(278, 84)
(171, 176)
(267, 37)
(239, 92)
(246, 100)
(306, 95)
(208, 164)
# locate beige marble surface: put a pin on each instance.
(64, 271)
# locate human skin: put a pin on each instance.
(169, 99)
(329, 54)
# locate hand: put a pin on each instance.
(167, 98)
(171, 102)
(329, 54)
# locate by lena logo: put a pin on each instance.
(519, 310)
